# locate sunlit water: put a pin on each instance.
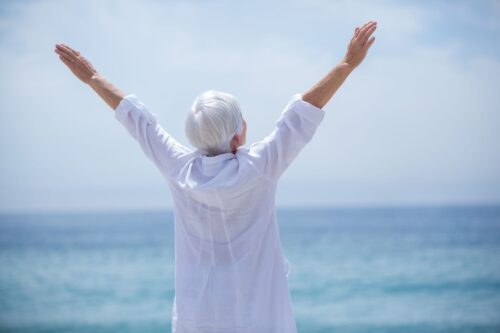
(352, 270)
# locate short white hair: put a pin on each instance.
(215, 117)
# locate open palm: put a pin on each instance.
(360, 43)
(81, 67)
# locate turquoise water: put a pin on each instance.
(352, 270)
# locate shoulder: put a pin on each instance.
(254, 157)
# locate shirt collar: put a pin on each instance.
(217, 158)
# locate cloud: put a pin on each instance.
(417, 129)
(416, 122)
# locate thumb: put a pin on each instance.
(370, 42)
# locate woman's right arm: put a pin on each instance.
(322, 91)
(83, 69)
(158, 145)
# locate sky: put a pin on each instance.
(417, 123)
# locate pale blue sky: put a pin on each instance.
(417, 123)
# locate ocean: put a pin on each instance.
(353, 270)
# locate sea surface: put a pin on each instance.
(413, 269)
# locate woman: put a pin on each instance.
(230, 273)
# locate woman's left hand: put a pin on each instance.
(359, 44)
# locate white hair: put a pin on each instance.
(215, 117)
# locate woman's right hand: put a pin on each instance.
(78, 64)
(359, 44)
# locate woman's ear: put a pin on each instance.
(235, 141)
(238, 138)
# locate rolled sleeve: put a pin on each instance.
(306, 110)
(129, 103)
(156, 143)
(293, 130)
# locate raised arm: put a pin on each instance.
(322, 91)
(83, 69)
(159, 146)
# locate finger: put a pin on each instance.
(364, 35)
(76, 61)
(369, 33)
(62, 50)
(361, 32)
(366, 25)
(356, 31)
(68, 50)
(66, 57)
(63, 59)
(67, 47)
(370, 42)
(75, 52)
(66, 62)
(88, 64)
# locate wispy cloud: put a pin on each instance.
(417, 122)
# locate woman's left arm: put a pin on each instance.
(83, 69)
(357, 49)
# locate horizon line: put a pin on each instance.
(282, 207)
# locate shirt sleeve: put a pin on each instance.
(293, 130)
(158, 145)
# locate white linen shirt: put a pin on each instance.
(230, 272)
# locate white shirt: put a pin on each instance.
(230, 272)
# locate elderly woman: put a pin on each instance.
(230, 272)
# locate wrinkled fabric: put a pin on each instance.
(230, 271)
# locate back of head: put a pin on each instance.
(214, 118)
